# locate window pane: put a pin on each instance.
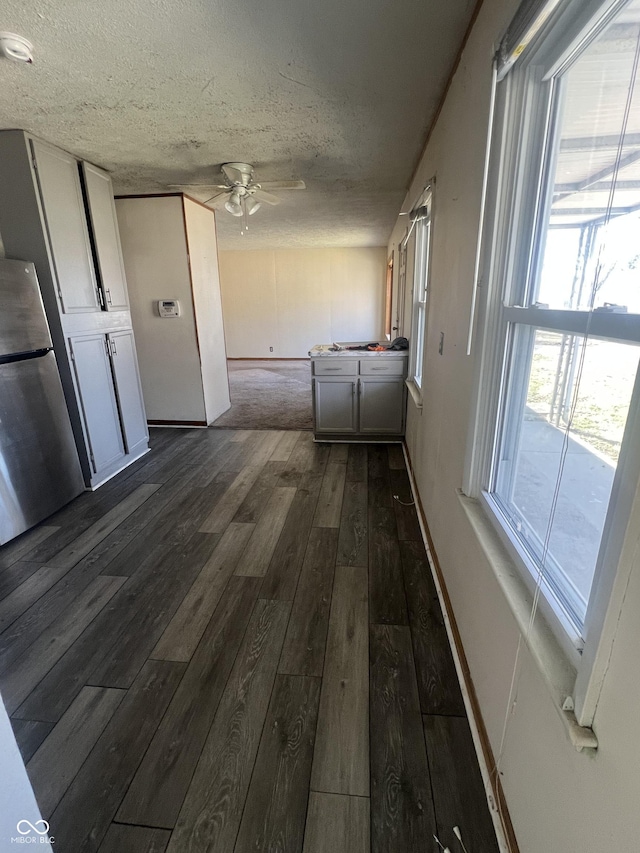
(591, 251)
(541, 461)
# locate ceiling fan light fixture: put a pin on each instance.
(233, 205)
(252, 206)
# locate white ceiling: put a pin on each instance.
(339, 93)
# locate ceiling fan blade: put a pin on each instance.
(201, 186)
(217, 198)
(266, 198)
(283, 185)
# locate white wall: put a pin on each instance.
(205, 282)
(293, 299)
(155, 258)
(17, 802)
(560, 801)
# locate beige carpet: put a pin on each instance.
(269, 394)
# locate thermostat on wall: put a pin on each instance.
(168, 308)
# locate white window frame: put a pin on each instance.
(421, 275)
(515, 218)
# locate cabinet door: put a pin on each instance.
(64, 214)
(97, 395)
(335, 404)
(128, 389)
(381, 405)
(102, 214)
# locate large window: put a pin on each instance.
(567, 312)
(422, 218)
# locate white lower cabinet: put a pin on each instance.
(97, 394)
(108, 387)
(381, 405)
(336, 404)
(128, 390)
(359, 397)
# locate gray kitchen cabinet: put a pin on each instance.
(128, 390)
(381, 405)
(335, 404)
(102, 214)
(96, 392)
(59, 213)
(358, 397)
(66, 225)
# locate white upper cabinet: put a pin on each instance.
(64, 215)
(102, 213)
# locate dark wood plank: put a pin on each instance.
(162, 581)
(183, 633)
(29, 735)
(285, 446)
(395, 457)
(357, 463)
(337, 824)
(14, 575)
(378, 476)
(122, 663)
(458, 790)
(402, 816)
(134, 839)
(387, 603)
(17, 548)
(223, 511)
(330, 498)
(339, 453)
(174, 523)
(305, 458)
(353, 542)
(85, 812)
(406, 516)
(281, 578)
(341, 757)
(161, 782)
(212, 809)
(303, 651)
(252, 507)
(55, 764)
(78, 516)
(106, 524)
(17, 602)
(437, 678)
(256, 557)
(266, 442)
(41, 656)
(276, 806)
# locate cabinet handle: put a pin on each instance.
(113, 347)
(379, 368)
(328, 369)
(108, 295)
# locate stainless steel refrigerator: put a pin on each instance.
(39, 467)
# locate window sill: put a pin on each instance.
(415, 393)
(558, 673)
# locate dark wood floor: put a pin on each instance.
(236, 645)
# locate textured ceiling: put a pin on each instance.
(338, 93)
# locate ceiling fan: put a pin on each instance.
(241, 194)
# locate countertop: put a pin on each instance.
(323, 350)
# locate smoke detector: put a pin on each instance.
(13, 46)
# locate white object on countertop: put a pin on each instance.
(327, 350)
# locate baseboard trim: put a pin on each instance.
(185, 424)
(496, 800)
